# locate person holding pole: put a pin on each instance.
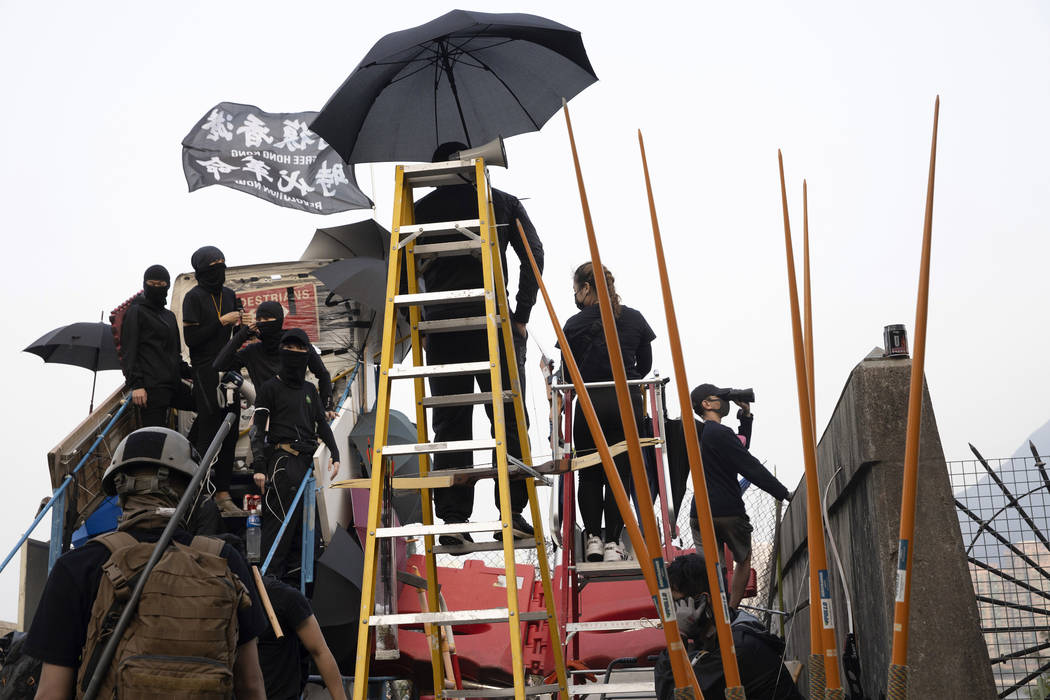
(587, 342)
(200, 605)
(725, 456)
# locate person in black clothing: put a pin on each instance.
(759, 654)
(288, 420)
(586, 339)
(209, 313)
(147, 496)
(262, 358)
(150, 353)
(460, 202)
(725, 455)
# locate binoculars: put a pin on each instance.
(741, 395)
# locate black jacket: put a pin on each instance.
(264, 365)
(724, 457)
(150, 354)
(458, 203)
(205, 335)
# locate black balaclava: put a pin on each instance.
(156, 296)
(209, 277)
(293, 364)
(445, 151)
(270, 331)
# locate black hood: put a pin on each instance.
(157, 296)
(270, 331)
(210, 277)
(293, 364)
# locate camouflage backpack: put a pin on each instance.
(182, 641)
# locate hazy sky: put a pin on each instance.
(97, 97)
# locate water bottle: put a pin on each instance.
(253, 534)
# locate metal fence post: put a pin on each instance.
(306, 571)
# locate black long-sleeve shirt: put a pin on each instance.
(587, 342)
(263, 365)
(459, 203)
(149, 344)
(724, 457)
(294, 415)
(204, 334)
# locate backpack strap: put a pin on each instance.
(122, 584)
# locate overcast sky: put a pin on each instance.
(97, 97)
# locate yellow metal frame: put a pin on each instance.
(500, 339)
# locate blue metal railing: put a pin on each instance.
(58, 499)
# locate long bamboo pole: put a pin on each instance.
(685, 679)
(898, 673)
(734, 688)
(807, 305)
(820, 581)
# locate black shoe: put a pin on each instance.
(520, 527)
(455, 539)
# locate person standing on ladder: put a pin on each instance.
(287, 422)
(586, 339)
(455, 505)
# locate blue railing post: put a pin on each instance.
(284, 525)
(58, 521)
(306, 572)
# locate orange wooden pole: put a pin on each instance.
(807, 305)
(685, 679)
(898, 674)
(715, 579)
(822, 639)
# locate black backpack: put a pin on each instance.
(20, 674)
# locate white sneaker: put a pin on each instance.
(593, 548)
(612, 552)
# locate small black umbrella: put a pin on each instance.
(465, 76)
(401, 431)
(336, 600)
(87, 345)
(363, 239)
(357, 279)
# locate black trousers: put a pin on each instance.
(284, 474)
(209, 418)
(159, 402)
(595, 496)
(455, 504)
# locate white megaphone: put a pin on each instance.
(492, 152)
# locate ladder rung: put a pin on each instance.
(454, 172)
(446, 325)
(499, 692)
(418, 530)
(440, 227)
(434, 447)
(593, 571)
(613, 625)
(449, 370)
(451, 296)
(444, 250)
(482, 546)
(462, 399)
(613, 688)
(453, 617)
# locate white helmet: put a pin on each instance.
(158, 447)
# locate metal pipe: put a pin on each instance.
(287, 519)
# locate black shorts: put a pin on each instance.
(733, 531)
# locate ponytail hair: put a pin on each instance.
(585, 274)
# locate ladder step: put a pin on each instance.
(499, 692)
(449, 370)
(445, 250)
(481, 547)
(613, 688)
(626, 569)
(447, 325)
(439, 228)
(613, 625)
(462, 399)
(418, 530)
(454, 172)
(454, 617)
(435, 447)
(451, 296)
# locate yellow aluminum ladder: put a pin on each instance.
(408, 244)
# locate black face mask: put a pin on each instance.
(212, 277)
(723, 407)
(157, 296)
(293, 366)
(270, 332)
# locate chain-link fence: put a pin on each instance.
(1003, 517)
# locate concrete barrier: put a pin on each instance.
(865, 439)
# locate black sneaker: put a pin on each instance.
(455, 539)
(521, 528)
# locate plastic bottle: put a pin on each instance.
(253, 532)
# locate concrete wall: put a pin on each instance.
(865, 437)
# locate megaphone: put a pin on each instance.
(492, 152)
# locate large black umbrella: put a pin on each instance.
(336, 600)
(363, 239)
(357, 279)
(87, 345)
(465, 76)
(401, 431)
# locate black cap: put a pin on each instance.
(296, 336)
(702, 391)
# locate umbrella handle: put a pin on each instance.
(328, 300)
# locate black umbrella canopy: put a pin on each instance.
(363, 239)
(337, 582)
(357, 279)
(401, 431)
(465, 76)
(87, 345)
